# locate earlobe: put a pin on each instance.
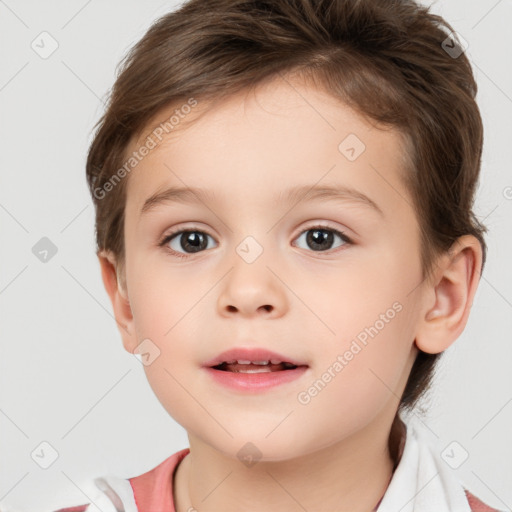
(113, 281)
(450, 295)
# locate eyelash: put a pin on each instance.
(173, 234)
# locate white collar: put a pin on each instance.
(423, 481)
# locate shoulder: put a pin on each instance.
(478, 505)
(147, 491)
(153, 489)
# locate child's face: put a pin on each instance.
(304, 303)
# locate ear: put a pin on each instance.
(449, 295)
(114, 282)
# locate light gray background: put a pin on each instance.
(65, 378)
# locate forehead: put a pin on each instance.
(281, 133)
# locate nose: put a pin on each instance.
(252, 289)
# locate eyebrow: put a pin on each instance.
(293, 195)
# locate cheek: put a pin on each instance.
(356, 383)
(164, 300)
(372, 314)
(364, 295)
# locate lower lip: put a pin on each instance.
(255, 381)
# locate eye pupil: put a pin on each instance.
(194, 239)
(318, 237)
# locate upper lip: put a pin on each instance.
(251, 354)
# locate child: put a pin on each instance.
(259, 132)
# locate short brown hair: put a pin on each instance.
(384, 58)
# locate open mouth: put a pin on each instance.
(255, 370)
(254, 366)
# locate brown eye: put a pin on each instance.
(321, 239)
(187, 241)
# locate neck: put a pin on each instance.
(349, 476)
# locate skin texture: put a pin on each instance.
(330, 453)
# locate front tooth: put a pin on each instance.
(256, 370)
(250, 362)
